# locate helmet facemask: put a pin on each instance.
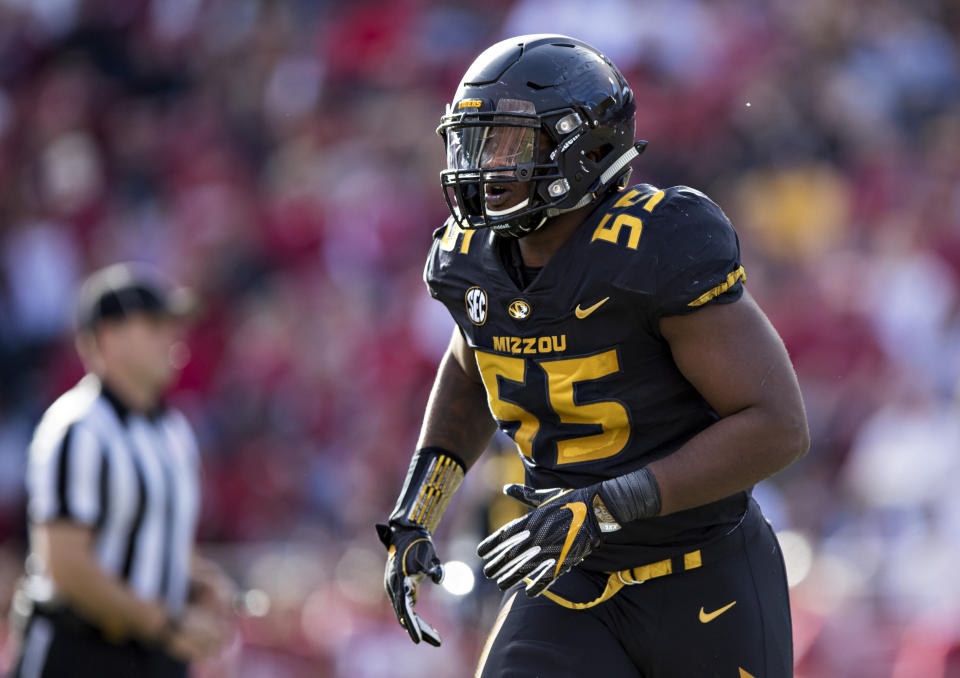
(489, 152)
(515, 145)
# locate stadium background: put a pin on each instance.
(280, 157)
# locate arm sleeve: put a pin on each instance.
(64, 474)
(699, 261)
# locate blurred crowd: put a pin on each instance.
(280, 158)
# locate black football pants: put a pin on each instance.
(726, 619)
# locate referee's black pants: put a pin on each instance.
(61, 645)
(729, 618)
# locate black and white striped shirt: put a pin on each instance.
(132, 478)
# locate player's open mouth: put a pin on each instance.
(498, 195)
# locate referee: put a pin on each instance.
(113, 584)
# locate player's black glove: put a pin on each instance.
(561, 531)
(410, 557)
(563, 528)
(433, 477)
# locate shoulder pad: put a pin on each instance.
(687, 218)
(679, 249)
(455, 239)
(639, 199)
(453, 251)
(647, 201)
(698, 253)
(438, 232)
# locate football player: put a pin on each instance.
(606, 329)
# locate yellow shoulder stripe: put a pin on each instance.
(732, 278)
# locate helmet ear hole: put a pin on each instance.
(598, 154)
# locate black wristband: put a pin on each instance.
(433, 477)
(632, 496)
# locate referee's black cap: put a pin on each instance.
(120, 290)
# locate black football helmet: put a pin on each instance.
(548, 112)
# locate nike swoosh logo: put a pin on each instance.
(706, 617)
(579, 511)
(582, 313)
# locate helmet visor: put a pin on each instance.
(505, 143)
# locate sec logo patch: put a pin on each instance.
(519, 309)
(476, 300)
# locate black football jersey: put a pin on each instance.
(574, 366)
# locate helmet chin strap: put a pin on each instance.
(509, 210)
(556, 211)
(517, 230)
(608, 174)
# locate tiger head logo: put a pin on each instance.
(519, 309)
